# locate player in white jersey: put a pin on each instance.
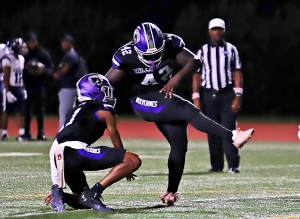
(15, 94)
(3, 51)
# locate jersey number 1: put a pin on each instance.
(73, 117)
(18, 77)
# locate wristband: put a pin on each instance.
(238, 91)
(195, 95)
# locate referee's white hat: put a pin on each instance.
(216, 22)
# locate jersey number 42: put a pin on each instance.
(164, 73)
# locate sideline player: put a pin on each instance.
(148, 61)
(15, 93)
(70, 153)
(3, 51)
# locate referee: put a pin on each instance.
(221, 82)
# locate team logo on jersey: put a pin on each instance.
(136, 36)
(225, 53)
(93, 150)
(59, 157)
(147, 103)
(142, 70)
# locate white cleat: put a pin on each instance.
(241, 137)
(168, 198)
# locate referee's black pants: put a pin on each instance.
(217, 106)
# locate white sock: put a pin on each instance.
(21, 131)
(4, 132)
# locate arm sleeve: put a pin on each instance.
(236, 63)
(176, 42)
(118, 61)
(200, 56)
(6, 62)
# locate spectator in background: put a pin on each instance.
(15, 93)
(3, 51)
(38, 65)
(221, 82)
(66, 76)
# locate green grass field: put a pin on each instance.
(267, 187)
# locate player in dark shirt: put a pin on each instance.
(71, 153)
(38, 65)
(148, 62)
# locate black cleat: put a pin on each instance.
(41, 137)
(234, 170)
(92, 200)
(214, 170)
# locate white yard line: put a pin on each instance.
(19, 154)
(254, 196)
(295, 216)
(32, 214)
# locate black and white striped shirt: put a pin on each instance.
(219, 63)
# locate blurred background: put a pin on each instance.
(266, 33)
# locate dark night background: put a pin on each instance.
(266, 33)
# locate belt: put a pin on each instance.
(222, 90)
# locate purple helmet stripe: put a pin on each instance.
(143, 25)
(149, 35)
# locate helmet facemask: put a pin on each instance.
(149, 44)
(109, 100)
(150, 59)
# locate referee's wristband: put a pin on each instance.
(238, 91)
(196, 96)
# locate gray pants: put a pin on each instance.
(67, 100)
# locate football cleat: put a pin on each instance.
(41, 137)
(241, 137)
(57, 203)
(92, 200)
(168, 198)
(234, 170)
